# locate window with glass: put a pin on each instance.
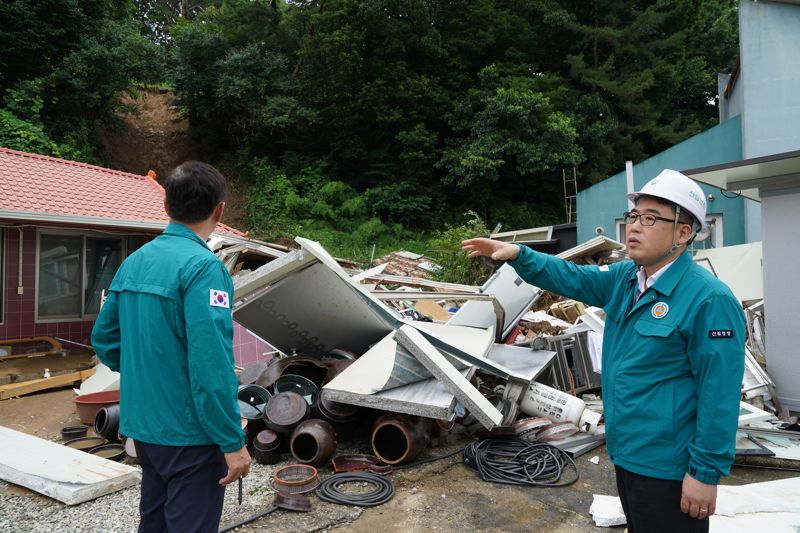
(73, 272)
(2, 276)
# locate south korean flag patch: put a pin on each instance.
(219, 299)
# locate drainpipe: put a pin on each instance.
(20, 288)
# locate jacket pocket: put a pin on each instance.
(653, 329)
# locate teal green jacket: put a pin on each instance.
(166, 327)
(672, 362)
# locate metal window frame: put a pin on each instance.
(2, 276)
(83, 235)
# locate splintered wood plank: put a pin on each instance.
(66, 474)
(35, 385)
(413, 341)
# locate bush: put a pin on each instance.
(445, 249)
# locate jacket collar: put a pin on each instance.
(667, 282)
(179, 230)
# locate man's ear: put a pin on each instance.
(218, 211)
(685, 233)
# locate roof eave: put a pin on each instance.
(82, 221)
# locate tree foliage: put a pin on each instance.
(364, 119)
(427, 109)
(64, 67)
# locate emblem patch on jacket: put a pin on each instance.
(219, 299)
(659, 310)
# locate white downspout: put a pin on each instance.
(20, 287)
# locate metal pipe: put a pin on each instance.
(20, 285)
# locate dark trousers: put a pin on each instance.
(653, 505)
(180, 488)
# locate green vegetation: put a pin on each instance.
(377, 122)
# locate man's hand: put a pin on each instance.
(238, 465)
(497, 250)
(698, 500)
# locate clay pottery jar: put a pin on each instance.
(313, 442)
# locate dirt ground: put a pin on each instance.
(443, 495)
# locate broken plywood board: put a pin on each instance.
(432, 310)
(413, 341)
(66, 474)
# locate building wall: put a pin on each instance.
(18, 320)
(770, 77)
(732, 105)
(19, 310)
(603, 203)
(780, 259)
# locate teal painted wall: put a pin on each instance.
(601, 204)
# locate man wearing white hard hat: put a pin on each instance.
(673, 355)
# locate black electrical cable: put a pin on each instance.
(429, 460)
(330, 489)
(520, 462)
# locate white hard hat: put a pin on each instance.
(674, 187)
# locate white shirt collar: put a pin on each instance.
(644, 282)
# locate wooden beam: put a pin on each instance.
(35, 385)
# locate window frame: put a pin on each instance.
(3, 279)
(84, 235)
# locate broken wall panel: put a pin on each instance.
(66, 474)
(514, 295)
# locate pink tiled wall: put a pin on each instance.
(247, 348)
(18, 310)
(18, 315)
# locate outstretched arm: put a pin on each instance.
(497, 250)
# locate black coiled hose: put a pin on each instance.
(383, 490)
(520, 462)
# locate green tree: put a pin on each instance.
(74, 59)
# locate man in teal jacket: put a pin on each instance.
(166, 326)
(673, 355)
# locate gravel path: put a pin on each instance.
(22, 510)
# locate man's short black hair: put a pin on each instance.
(194, 190)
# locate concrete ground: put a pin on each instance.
(443, 495)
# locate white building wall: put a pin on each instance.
(769, 41)
(781, 255)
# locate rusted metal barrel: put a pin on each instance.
(313, 442)
(398, 438)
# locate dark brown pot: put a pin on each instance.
(313, 442)
(397, 438)
(285, 411)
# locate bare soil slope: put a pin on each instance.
(156, 137)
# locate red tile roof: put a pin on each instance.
(41, 188)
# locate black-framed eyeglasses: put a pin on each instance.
(646, 219)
